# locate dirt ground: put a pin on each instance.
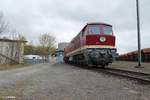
(8, 66)
(132, 66)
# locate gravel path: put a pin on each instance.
(66, 82)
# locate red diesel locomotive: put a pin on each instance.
(94, 45)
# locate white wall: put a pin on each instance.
(12, 50)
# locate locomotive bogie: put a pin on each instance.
(93, 56)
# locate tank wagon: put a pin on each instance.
(94, 45)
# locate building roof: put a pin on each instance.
(9, 40)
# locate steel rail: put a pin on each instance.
(145, 77)
(139, 76)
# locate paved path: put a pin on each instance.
(66, 82)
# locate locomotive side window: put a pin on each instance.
(94, 29)
(107, 30)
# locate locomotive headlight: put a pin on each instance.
(102, 39)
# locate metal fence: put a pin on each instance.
(35, 61)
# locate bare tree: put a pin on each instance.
(21, 37)
(47, 41)
(3, 23)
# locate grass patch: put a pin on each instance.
(129, 64)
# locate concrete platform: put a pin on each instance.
(131, 66)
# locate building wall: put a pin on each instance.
(62, 45)
(11, 52)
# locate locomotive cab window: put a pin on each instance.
(107, 30)
(94, 29)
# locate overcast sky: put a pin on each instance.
(65, 18)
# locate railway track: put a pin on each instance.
(138, 76)
(124, 73)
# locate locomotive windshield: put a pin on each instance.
(94, 29)
(107, 30)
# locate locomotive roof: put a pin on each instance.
(91, 23)
(97, 23)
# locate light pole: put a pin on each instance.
(138, 34)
